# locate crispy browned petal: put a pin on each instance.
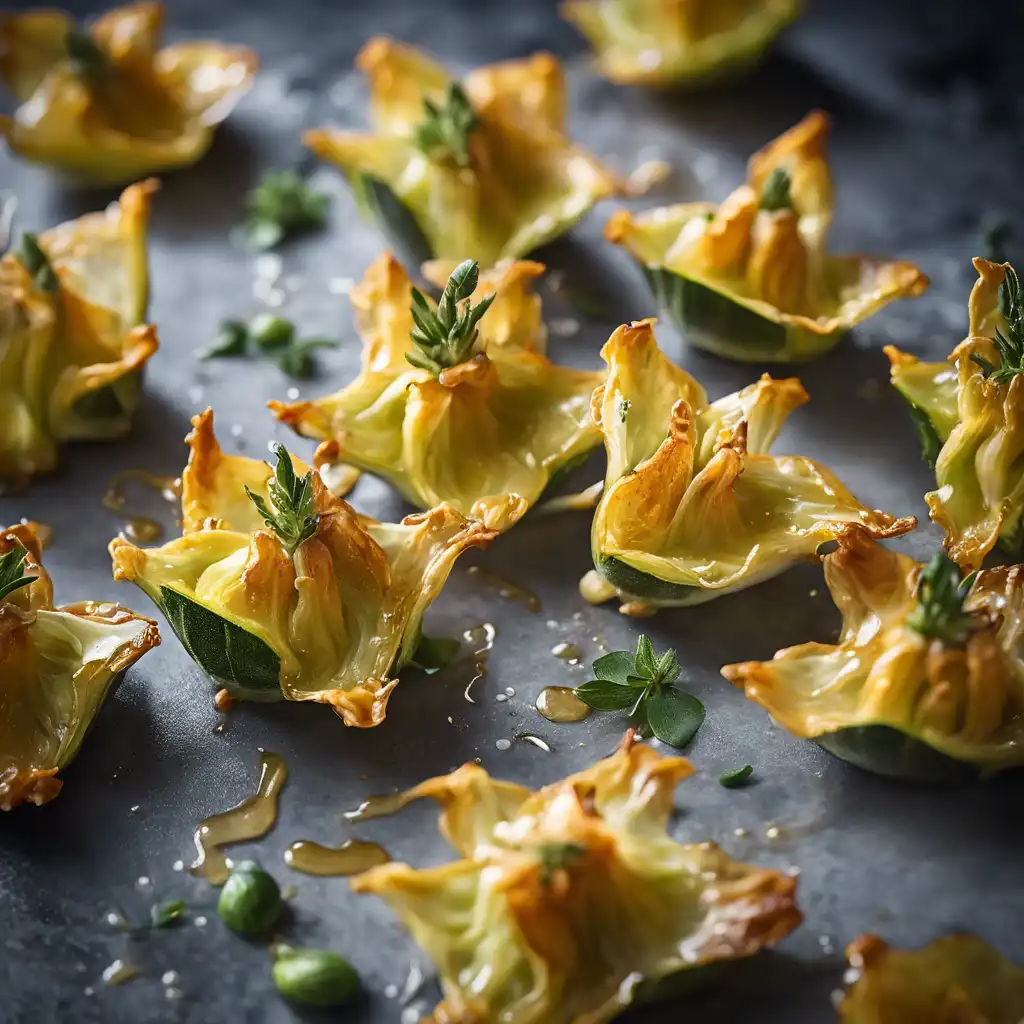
(38, 594)
(364, 706)
(535, 86)
(983, 305)
(802, 149)
(35, 785)
(778, 265)
(724, 244)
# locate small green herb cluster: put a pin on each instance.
(645, 684)
(558, 857)
(271, 335)
(37, 263)
(86, 57)
(444, 133)
(281, 205)
(775, 192)
(1010, 345)
(445, 337)
(12, 571)
(941, 591)
(294, 517)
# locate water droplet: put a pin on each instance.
(772, 832)
(503, 744)
(200, 922)
(560, 704)
(510, 691)
(170, 978)
(391, 991)
(143, 882)
(178, 865)
(293, 394)
(501, 697)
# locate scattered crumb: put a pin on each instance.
(224, 702)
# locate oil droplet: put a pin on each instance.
(567, 652)
(349, 859)
(595, 589)
(252, 818)
(528, 737)
(120, 973)
(560, 704)
(140, 528)
(510, 591)
(501, 697)
(170, 978)
(116, 920)
(510, 691)
(503, 744)
(378, 807)
(481, 638)
(178, 865)
(772, 832)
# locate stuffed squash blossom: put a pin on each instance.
(957, 979)
(278, 590)
(678, 42)
(108, 104)
(927, 679)
(750, 279)
(455, 403)
(969, 413)
(478, 169)
(694, 507)
(571, 902)
(57, 667)
(72, 341)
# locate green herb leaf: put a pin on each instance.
(674, 715)
(444, 133)
(37, 263)
(270, 331)
(282, 204)
(775, 192)
(646, 664)
(167, 915)
(12, 571)
(445, 337)
(232, 339)
(615, 667)
(1009, 345)
(558, 857)
(435, 653)
(86, 57)
(931, 445)
(603, 695)
(293, 517)
(624, 406)
(297, 360)
(941, 592)
(734, 778)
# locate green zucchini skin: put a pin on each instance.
(380, 204)
(884, 750)
(230, 655)
(644, 587)
(709, 320)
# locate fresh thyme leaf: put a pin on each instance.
(282, 204)
(444, 133)
(293, 516)
(929, 440)
(734, 778)
(941, 592)
(624, 406)
(435, 653)
(12, 571)
(167, 915)
(231, 341)
(558, 857)
(674, 715)
(1009, 346)
(605, 695)
(445, 337)
(270, 331)
(775, 192)
(37, 263)
(86, 57)
(642, 683)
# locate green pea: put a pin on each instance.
(250, 901)
(269, 331)
(314, 977)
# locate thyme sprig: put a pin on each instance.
(37, 263)
(1009, 345)
(941, 591)
(12, 571)
(293, 517)
(445, 337)
(645, 684)
(282, 204)
(775, 192)
(444, 133)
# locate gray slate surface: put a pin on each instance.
(923, 147)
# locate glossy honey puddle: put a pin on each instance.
(252, 818)
(481, 639)
(506, 588)
(350, 858)
(140, 528)
(560, 704)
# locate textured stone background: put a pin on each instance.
(926, 144)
